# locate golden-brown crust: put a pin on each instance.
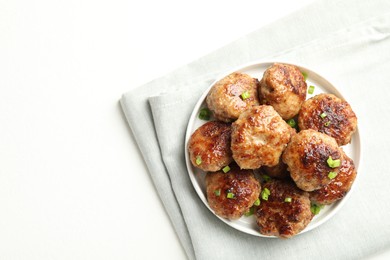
(340, 185)
(283, 87)
(259, 137)
(306, 157)
(340, 121)
(211, 143)
(225, 100)
(241, 183)
(276, 217)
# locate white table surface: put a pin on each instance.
(73, 184)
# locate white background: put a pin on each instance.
(72, 182)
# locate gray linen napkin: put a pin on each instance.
(350, 44)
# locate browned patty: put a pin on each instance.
(276, 217)
(340, 185)
(209, 146)
(338, 119)
(241, 183)
(225, 99)
(278, 171)
(259, 137)
(283, 87)
(306, 157)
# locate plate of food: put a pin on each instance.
(272, 149)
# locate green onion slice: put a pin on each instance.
(333, 163)
(332, 175)
(250, 212)
(245, 95)
(230, 195)
(291, 122)
(217, 192)
(265, 177)
(304, 74)
(265, 193)
(257, 202)
(315, 209)
(327, 123)
(288, 199)
(204, 114)
(323, 115)
(226, 169)
(311, 90)
(198, 160)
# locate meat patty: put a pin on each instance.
(307, 158)
(286, 212)
(232, 194)
(209, 146)
(330, 115)
(232, 95)
(283, 87)
(278, 171)
(340, 185)
(259, 137)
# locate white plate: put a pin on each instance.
(256, 70)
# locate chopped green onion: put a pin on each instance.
(288, 199)
(323, 115)
(311, 90)
(333, 163)
(250, 212)
(226, 169)
(265, 193)
(315, 209)
(257, 202)
(230, 195)
(332, 175)
(217, 192)
(198, 160)
(291, 122)
(245, 95)
(265, 177)
(327, 123)
(304, 74)
(204, 114)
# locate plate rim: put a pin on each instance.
(356, 136)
